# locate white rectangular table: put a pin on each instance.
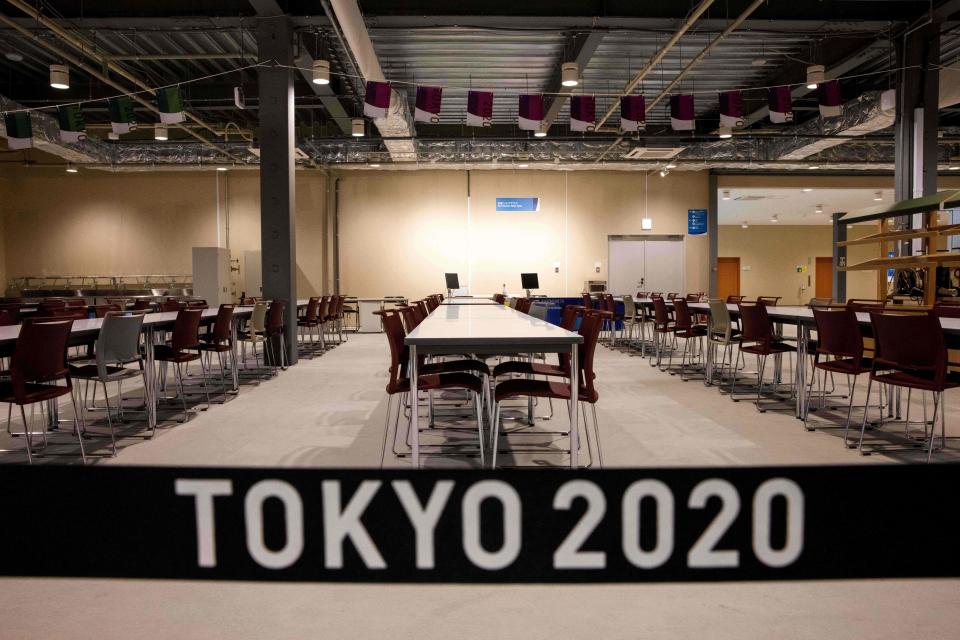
(447, 302)
(489, 329)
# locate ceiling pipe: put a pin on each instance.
(175, 56)
(67, 57)
(86, 50)
(656, 59)
(733, 26)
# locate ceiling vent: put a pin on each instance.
(647, 153)
(298, 153)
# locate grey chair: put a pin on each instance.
(538, 311)
(721, 334)
(117, 346)
(820, 302)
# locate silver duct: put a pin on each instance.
(46, 137)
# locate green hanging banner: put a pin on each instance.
(72, 126)
(171, 105)
(122, 119)
(19, 130)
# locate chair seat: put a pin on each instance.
(454, 366)
(522, 387)
(165, 353)
(216, 347)
(695, 331)
(91, 372)
(457, 380)
(848, 366)
(768, 348)
(34, 392)
(304, 322)
(917, 380)
(528, 368)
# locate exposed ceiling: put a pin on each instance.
(508, 48)
(794, 206)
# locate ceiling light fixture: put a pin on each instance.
(953, 167)
(221, 168)
(774, 218)
(358, 127)
(670, 165)
(321, 72)
(815, 75)
(807, 189)
(374, 165)
(570, 74)
(59, 76)
(819, 208)
(726, 194)
(71, 168)
(813, 166)
(113, 135)
(744, 225)
(541, 132)
(13, 56)
(878, 196)
(724, 133)
(664, 173)
(159, 133)
(523, 166)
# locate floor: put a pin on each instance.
(330, 411)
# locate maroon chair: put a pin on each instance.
(499, 298)
(587, 301)
(142, 305)
(169, 306)
(51, 306)
(662, 327)
(770, 301)
(273, 330)
(859, 304)
(398, 382)
(219, 341)
(685, 327)
(183, 348)
(735, 299)
(759, 339)
(7, 318)
(911, 353)
(101, 310)
(310, 321)
(839, 349)
(590, 325)
(942, 310)
(38, 363)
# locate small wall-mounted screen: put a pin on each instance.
(529, 281)
(453, 281)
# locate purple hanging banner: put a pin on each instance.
(780, 103)
(479, 109)
(681, 113)
(428, 105)
(731, 109)
(828, 95)
(377, 101)
(530, 116)
(633, 113)
(583, 113)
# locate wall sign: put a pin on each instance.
(620, 525)
(696, 221)
(518, 204)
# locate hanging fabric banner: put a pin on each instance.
(479, 109)
(681, 113)
(19, 130)
(530, 117)
(731, 109)
(828, 95)
(377, 101)
(170, 105)
(583, 113)
(633, 113)
(428, 105)
(122, 119)
(780, 103)
(72, 126)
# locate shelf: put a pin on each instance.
(901, 262)
(940, 200)
(891, 236)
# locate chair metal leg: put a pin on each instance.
(78, 425)
(178, 374)
(866, 409)
(113, 439)
(596, 434)
(386, 431)
(27, 435)
(846, 427)
(480, 429)
(761, 365)
(496, 434)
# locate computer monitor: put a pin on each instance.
(529, 281)
(453, 281)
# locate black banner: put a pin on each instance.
(629, 525)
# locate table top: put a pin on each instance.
(469, 301)
(475, 326)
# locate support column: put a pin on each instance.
(277, 196)
(712, 233)
(918, 96)
(839, 259)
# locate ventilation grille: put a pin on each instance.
(646, 153)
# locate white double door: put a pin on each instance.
(645, 263)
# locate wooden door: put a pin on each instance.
(824, 277)
(728, 277)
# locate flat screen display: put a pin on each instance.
(529, 281)
(453, 281)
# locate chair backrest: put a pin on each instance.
(642, 295)
(141, 305)
(313, 307)
(608, 303)
(40, 354)
(416, 312)
(568, 317)
(655, 294)
(946, 310)
(912, 342)
(693, 297)
(720, 324)
(538, 311)
(399, 356)
(587, 301)
(222, 327)
(171, 305)
(431, 303)
(76, 302)
(499, 298)
(258, 318)
(820, 302)
(7, 318)
(274, 322)
(186, 329)
(119, 340)
(660, 314)
(770, 301)
(755, 322)
(47, 307)
(409, 317)
(323, 308)
(681, 314)
(424, 311)
(838, 333)
(734, 299)
(672, 296)
(860, 304)
(101, 310)
(590, 326)
(629, 308)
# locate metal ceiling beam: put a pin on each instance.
(660, 55)
(582, 48)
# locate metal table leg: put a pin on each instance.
(149, 375)
(574, 405)
(414, 410)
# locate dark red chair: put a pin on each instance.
(770, 301)
(759, 339)
(142, 305)
(685, 327)
(273, 330)
(662, 327)
(311, 321)
(38, 363)
(855, 304)
(219, 341)
(101, 310)
(911, 352)
(7, 318)
(735, 299)
(183, 348)
(168, 306)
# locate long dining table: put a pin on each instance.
(488, 329)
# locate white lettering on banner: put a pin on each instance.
(512, 535)
(203, 492)
(423, 519)
(703, 554)
(568, 555)
(632, 549)
(341, 524)
(793, 494)
(293, 523)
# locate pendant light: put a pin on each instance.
(321, 72)
(570, 74)
(724, 133)
(59, 76)
(358, 128)
(815, 75)
(159, 132)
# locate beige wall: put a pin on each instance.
(100, 223)
(401, 230)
